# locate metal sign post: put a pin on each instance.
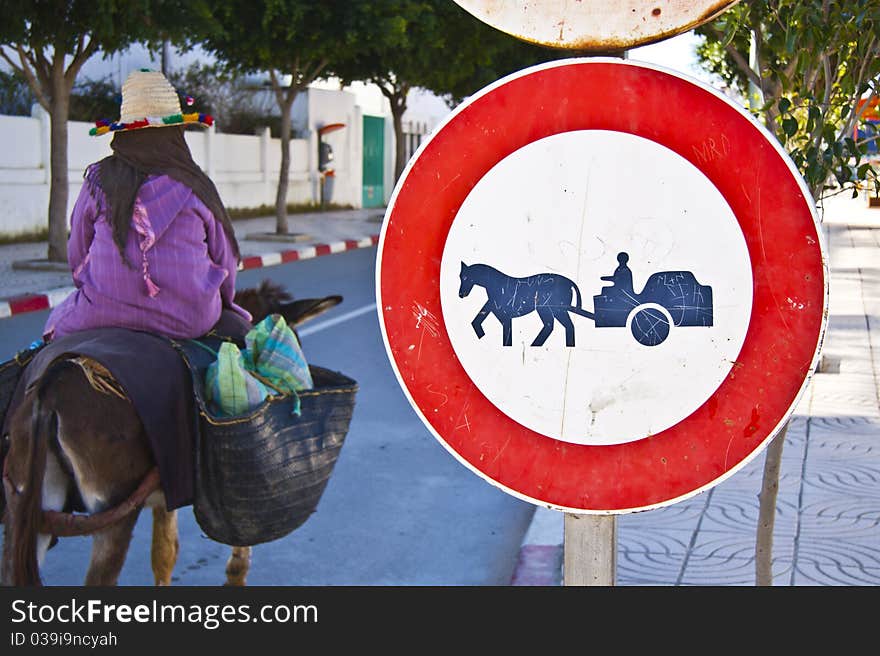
(589, 550)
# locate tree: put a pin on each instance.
(294, 41)
(433, 44)
(47, 42)
(230, 99)
(94, 99)
(16, 96)
(804, 66)
(810, 62)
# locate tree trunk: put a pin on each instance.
(767, 510)
(767, 503)
(396, 92)
(58, 187)
(283, 175)
(397, 110)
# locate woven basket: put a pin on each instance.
(260, 476)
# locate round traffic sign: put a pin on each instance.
(601, 285)
(597, 25)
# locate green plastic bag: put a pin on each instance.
(230, 388)
(273, 361)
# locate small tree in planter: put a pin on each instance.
(295, 42)
(434, 45)
(804, 65)
(47, 42)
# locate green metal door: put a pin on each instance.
(374, 161)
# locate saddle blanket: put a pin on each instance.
(156, 381)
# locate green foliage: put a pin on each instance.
(48, 41)
(293, 37)
(36, 33)
(432, 44)
(294, 41)
(238, 107)
(811, 63)
(94, 99)
(482, 55)
(113, 23)
(16, 97)
(262, 211)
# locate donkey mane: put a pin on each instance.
(263, 300)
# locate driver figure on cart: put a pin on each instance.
(622, 278)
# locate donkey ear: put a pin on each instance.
(298, 312)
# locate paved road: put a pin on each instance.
(398, 510)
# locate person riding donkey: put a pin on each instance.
(151, 246)
(153, 257)
(138, 392)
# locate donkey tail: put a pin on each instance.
(27, 520)
(576, 308)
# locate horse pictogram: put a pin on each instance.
(669, 298)
(548, 294)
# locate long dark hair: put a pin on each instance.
(138, 154)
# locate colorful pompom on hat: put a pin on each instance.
(149, 101)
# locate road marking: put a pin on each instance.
(336, 320)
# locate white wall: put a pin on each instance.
(325, 102)
(244, 168)
(22, 173)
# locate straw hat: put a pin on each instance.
(149, 101)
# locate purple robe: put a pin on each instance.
(180, 270)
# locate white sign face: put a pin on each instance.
(596, 287)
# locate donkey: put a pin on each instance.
(548, 294)
(76, 433)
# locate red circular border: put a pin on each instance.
(778, 224)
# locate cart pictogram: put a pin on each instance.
(669, 298)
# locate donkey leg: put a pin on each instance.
(563, 317)
(103, 441)
(24, 547)
(165, 547)
(547, 317)
(507, 331)
(477, 323)
(238, 565)
(109, 548)
(56, 485)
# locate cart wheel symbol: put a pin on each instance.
(650, 325)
